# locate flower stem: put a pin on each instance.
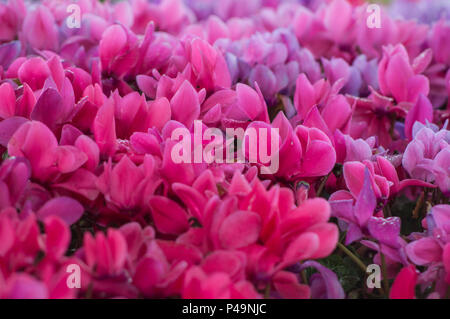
(384, 273)
(322, 185)
(267, 291)
(419, 205)
(352, 257)
(304, 277)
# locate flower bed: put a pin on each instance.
(136, 159)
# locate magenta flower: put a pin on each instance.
(118, 50)
(11, 18)
(303, 151)
(318, 105)
(127, 186)
(359, 215)
(439, 43)
(340, 130)
(400, 78)
(37, 143)
(425, 157)
(349, 149)
(431, 248)
(14, 175)
(21, 243)
(238, 107)
(34, 72)
(208, 65)
(404, 284)
(40, 30)
(215, 286)
(106, 254)
(421, 112)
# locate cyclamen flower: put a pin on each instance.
(432, 247)
(289, 234)
(373, 117)
(384, 178)
(118, 50)
(37, 143)
(235, 108)
(21, 243)
(424, 11)
(438, 41)
(318, 105)
(14, 175)
(40, 29)
(128, 194)
(349, 149)
(11, 18)
(359, 215)
(400, 78)
(215, 286)
(404, 284)
(426, 156)
(357, 117)
(303, 151)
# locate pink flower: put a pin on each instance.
(383, 176)
(399, 78)
(105, 255)
(40, 29)
(303, 151)
(21, 243)
(11, 17)
(8, 53)
(153, 273)
(307, 95)
(34, 72)
(168, 216)
(441, 170)
(237, 108)
(208, 65)
(446, 258)
(318, 105)
(8, 104)
(339, 20)
(422, 112)
(127, 186)
(315, 142)
(371, 40)
(37, 143)
(373, 117)
(324, 284)
(14, 175)
(349, 149)
(359, 215)
(86, 148)
(118, 50)
(273, 238)
(404, 284)
(439, 40)
(185, 104)
(198, 285)
(427, 250)
(423, 159)
(23, 286)
(66, 208)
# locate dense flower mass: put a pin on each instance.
(95, 203)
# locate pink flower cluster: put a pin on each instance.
(87, 176)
